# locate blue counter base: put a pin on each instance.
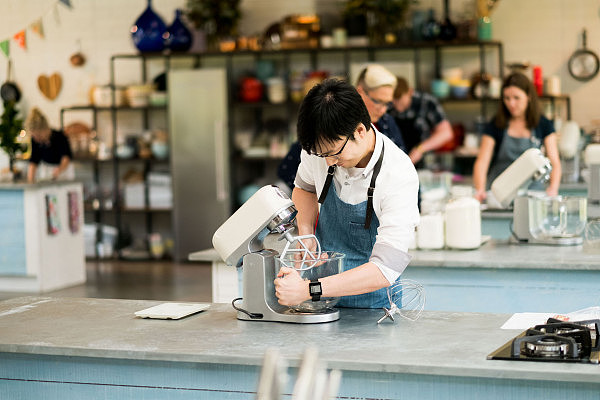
(24, 376)
(506, 290)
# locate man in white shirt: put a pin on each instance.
(367, 188)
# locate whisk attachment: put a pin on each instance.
(407, 299)
(306, 258)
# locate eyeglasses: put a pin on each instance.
(379, 103)
(334, 154)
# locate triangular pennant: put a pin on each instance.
(55, 13)
(20, 39)
(38, 28)
(66, 3)
(5, 47)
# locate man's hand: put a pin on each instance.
(290, 288)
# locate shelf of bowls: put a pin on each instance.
(151, 144)
(454, 85)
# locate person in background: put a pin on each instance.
(517, 126)
(50, 150)
(375, 84)
(421, 119)
(367, 190)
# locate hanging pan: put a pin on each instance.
(9, 91)
(584, 63)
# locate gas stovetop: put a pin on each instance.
(555, 341)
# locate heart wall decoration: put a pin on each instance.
(50, 85)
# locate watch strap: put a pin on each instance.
(315, 290)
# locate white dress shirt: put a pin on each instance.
(394, 200)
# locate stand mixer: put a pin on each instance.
(532, 222)
(239, 241)
(592, 160)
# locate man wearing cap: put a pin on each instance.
(421, 120)
(376, 85)
(357, 192)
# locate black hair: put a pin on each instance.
(332, 110)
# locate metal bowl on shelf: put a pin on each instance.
(331, 263)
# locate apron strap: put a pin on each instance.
(327, 185)
(371, 190)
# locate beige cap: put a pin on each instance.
(377, 75)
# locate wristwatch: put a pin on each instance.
(315, 290)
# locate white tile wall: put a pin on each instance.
(543, 32)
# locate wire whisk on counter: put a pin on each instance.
(407, 299)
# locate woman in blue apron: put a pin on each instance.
(517, 126)
(367, 190)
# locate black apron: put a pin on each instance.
(370, 191)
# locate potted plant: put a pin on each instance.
(382, 18)
(217, 18)
(10, 128)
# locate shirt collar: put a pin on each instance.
(376, 152)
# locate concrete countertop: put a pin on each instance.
(593, 211)
(501, 254)
(36, 185)
(451, 344)
(493, 254)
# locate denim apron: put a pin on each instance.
(510, 149)
(341, 228)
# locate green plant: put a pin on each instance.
(382, 15)
(10, 127)
(218, 18)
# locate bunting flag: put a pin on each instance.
(20, 39)
(38, 28)
(5, 47)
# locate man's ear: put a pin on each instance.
(361, 130)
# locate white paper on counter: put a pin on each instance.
(527, 320)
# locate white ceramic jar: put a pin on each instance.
(463, 223)
(276, 90)
(430, 232)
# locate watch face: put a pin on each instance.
(315, 288)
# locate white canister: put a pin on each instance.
(430, 232)
(463, 223)
(553, 86)
(276, 90)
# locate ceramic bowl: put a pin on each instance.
(160, 150)
(440, 88)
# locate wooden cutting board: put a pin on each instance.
(50, 85)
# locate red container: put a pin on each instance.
(251, 90)
(538, 80)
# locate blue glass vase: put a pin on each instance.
(149, 30)
(180, 37)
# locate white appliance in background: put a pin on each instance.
(200, 156)
(592, 160)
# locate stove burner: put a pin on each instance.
(546, 347)
(555, 341)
